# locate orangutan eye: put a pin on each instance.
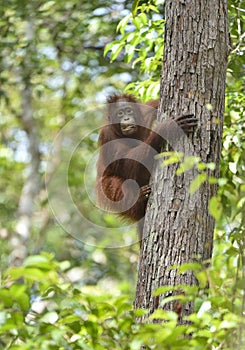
(120, 114)
(129, 111)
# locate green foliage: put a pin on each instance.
(228, 208)
(141, 42)
(55, 48)
(61, 303)
(39, 309)
(191, 162)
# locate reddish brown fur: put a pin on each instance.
(123, 158)
(113, 176)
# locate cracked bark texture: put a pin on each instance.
(178, 227)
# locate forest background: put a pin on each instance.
(60, 290)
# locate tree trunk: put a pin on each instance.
(178, 227)
(32, 182)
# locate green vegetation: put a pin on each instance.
(64, 293)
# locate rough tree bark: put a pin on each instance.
(178, 226)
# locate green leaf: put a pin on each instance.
(206, 306)
(5, 299)
(50, 317)
(164, 315)
(171, 160)
(197, 182)
(24, 302)
(115, 50)
(201, 166)
(212, 180)
(187, 164)
(211, 166)
(173, 298)
(202, 278)
(46, 6)
(31, 274)
(38, 261)
(70, 319)
(129, 49)
(164, 289)
(189, 267)
(215, 207)
(228, 324)
(135, 6)
(123, 23)
(141, 312)
(108, 47)
(170, 154)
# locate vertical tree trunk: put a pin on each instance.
(32, 182)
(178, 226)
